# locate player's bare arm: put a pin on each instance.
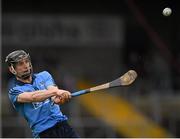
(40, 95)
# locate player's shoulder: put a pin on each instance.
(15, 85)
(43, 73)
(12, 83)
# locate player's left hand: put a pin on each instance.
(64, 97)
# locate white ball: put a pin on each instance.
(167, 11)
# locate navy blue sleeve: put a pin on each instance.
(13, 94)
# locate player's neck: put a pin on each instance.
(28, 80)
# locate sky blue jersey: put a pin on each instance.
(39, 115)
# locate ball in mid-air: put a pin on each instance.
(167, 11)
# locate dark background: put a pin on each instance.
(148, 43)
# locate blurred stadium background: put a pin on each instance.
(93, 42)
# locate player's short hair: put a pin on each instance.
(16, 56)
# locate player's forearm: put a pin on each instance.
(36, 96)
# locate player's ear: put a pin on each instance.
(12, 70)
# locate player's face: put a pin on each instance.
(23, 67)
